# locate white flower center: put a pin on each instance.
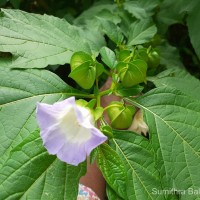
(74, 132)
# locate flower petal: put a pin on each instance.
(96, 139)
(74, 153)
(53, 140)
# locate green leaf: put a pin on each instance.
(169, 56)
(20, 90)
(108, 57)
(141, 32)
(174, 122)
(107, 131)
(30, 173)
(112, 31)
(138, 156)
(193, 22)
(112, 168)
(111, 194)
(102, 9)
(40, 40)
(178, 10)
(141, 9)
(179, 79)
(135, 9)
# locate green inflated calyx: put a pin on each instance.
(84, 70)
(132, 73)
(153, 59)
(125, 56)
(79, 58)
(120, 115)
(142, 54)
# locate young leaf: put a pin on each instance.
(112, 31)
(135, 9)
(138, 156)
(112, 168)
(108, 57)
(30, 173)
(174, 122)
(101, 9)
(141, 9)
(141, 32)
(40, 40)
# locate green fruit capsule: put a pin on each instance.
(84, 75)
(120, 115)
(79, 58)
(142, 54)
(132, 73)
(124, 56)
(154, 59)
(84, 70)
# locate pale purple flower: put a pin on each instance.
(68, 130)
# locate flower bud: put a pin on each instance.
(120, 115)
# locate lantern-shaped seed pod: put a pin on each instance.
(120, 115)
(132, 73)
(84, 69)
(125, 56)
(153, 59)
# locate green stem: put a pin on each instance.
(105, 92)
(98, 96)
(98, 101)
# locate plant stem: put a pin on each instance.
(105, 92)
